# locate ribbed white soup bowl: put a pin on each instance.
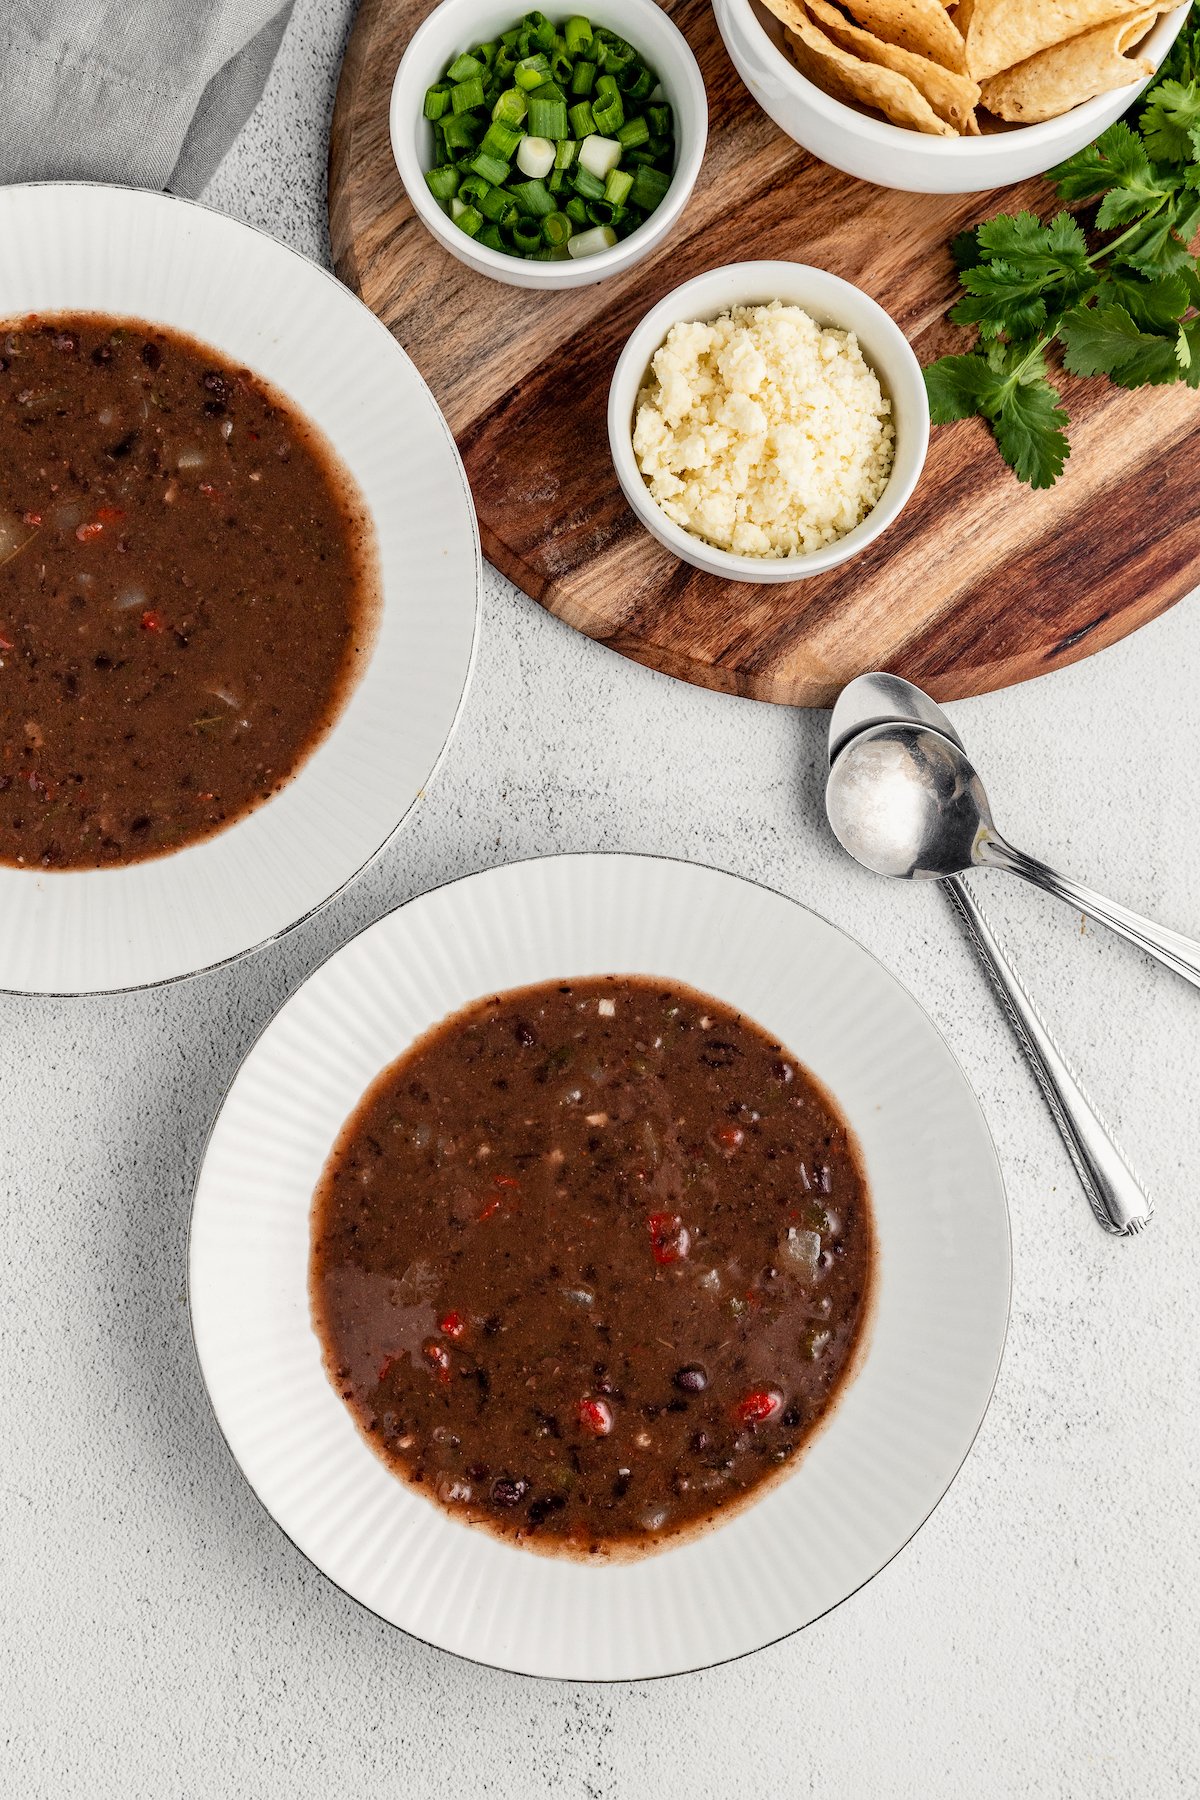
(81, 247)
(895, 1439)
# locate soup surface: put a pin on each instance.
(590, 1262)
(187, 591)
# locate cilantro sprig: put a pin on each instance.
(1117, 294)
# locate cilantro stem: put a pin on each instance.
(1130, 231)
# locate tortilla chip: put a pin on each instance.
(953, 97)
(1001, 33)
(848, 78)
(922, 26)
(1055, 80)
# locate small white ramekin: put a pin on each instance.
(891, 155)
(830, 301)
(457, 25)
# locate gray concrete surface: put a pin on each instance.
(1039, 1638)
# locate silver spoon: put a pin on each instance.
(1115, 1196)
(906, 801)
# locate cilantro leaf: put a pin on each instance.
(1187, 350)
(1029, 428)
(1104, 340)
(1151, 301)
(1027, 267)
(958, 387)
(1154, 246)
(1169, 120)
(1001, 298)
(1116, 159)
(1054, 252)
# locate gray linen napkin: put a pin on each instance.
(150, 93)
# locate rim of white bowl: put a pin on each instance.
(882, 133)
(274, 937)
(622, 255)
(706, 869)
(646, 338)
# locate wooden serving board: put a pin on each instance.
(980, 583)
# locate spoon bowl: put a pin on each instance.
(906, 801)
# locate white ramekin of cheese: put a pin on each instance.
(767, 421)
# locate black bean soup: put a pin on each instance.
(591, 1261)
(187, 591)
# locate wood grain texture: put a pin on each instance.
(979, 584)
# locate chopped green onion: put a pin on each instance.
(511, 107)
(576, 211)
(617, 186)
(582, 121)
(501, 139)
(583, 78)
(535, 156)
(463, 68)
(490, 235)
(531, 72)
(636, 82)
(607, 107)
(534, 198)
(598, 155)
(649, 188)
(443, 181)
(458, 133)
(617, 53)
(486, 53)
(543, 31)
(565, 153)
(586, 185)
(527, 235)
(437, 99)
(590, 243)
(660, 120)
(496, 204)
(470, 220)
(467, 95)
(577, 33)
(556, 228)
(547, 115)
(492, 168)
(632, 133)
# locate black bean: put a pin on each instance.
(152, 356)
(691, 1379)
(793, 1418)
(524, 1034)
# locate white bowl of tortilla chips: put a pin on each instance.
(938, 99)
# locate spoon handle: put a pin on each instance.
(1116, 1198)
(1170, 947)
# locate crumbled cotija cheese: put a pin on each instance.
(763, 432)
